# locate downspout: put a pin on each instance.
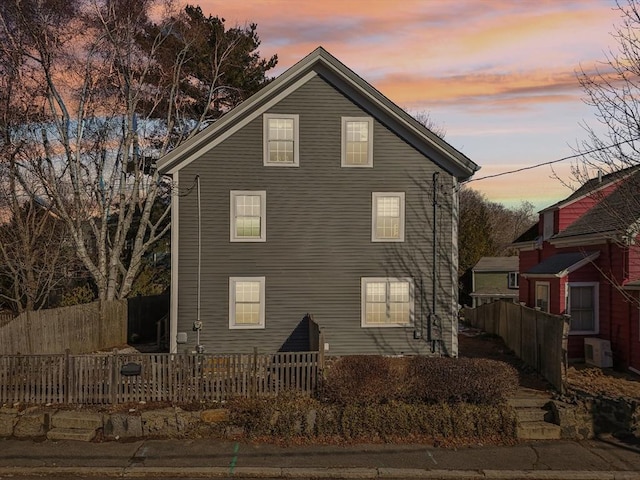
(434, 281)
(197, 325)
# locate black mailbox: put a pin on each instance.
(131, 369)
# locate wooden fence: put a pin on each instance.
(100, 379)
(538, 338)
(80, 328)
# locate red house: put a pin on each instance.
(582, 259)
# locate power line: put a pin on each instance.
(577, 155)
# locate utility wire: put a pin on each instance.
(570, 157)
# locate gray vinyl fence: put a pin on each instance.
(80, 328)
(536, 337)
(102, 379)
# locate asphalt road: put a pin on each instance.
(208, 458)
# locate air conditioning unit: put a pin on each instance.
(597, 351)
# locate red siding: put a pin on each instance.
(569, 214)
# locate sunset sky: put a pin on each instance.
(497, 75)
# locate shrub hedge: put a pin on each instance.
(290, 416)
(366, 380)
(373, 397)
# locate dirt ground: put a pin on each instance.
(473, 343)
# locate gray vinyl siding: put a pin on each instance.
(318, 235)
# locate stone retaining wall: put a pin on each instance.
(585, 416)
(35, 422)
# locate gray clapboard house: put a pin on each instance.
(317, 196)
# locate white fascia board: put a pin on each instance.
(203, 136)
(391, 109)
(583, 240)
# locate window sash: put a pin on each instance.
(387, 302)
(248, 212)
(388, 217)
(357, 142)
(280, 140)
(246, 302)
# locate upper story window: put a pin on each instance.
(280, 133)
(513, 279)
(357, 142)
(387, 222)
(248, 217)
(386, 302)
(246, 302)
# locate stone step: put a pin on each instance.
(538, 431)
(534, 415)
(79, 434)
(75, 419)
(528, 402)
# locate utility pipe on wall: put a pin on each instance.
(434, 277)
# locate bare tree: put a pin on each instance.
(611, 152)
(118, 88)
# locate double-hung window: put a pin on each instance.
(248, 222)
(387, 217)
(246, 302)
(583, 307)
(280, 134)
(357, 142)
(386, 302)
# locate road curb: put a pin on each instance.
(317, 473)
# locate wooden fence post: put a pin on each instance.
(253, 388)
(68, 377)
(113, 378)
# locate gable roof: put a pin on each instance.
(497, 264)
(614, 214)
(594, 185)
(322, 63)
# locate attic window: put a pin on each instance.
(357, 142)
(280, 134)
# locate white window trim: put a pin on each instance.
(343, 156)
(363, 301)
(232, 303)
(232, 215)
(374, 216)
(513, 280)
(596, 306)
(265, 139)
(535, 295)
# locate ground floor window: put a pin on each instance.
(542, 296)
(582, 306)
(387, 302)
(246, 302)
